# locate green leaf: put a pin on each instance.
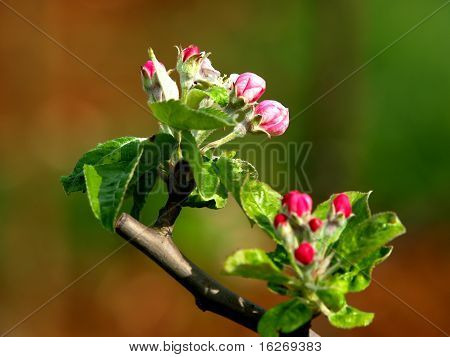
(204, 171)
(254, 263)
(107, 151)
(261, 203)
(367, 237)
(107, 184)
(156, 151)
(194, 97)
(233, 173)
(279, 256)
(350, 317)
(218, 94)
(218, 200)
(278, 288)
(141, 190)
(180, 116)
(360, 274)
(332, 293)
(285, 318)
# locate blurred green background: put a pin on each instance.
(387, 129)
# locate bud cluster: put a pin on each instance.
(305, 235)
(244, 90)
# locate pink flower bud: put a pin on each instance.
(190, 51)
(304, 253)
(280, 219)
(315, 224)
(149, 69)
(250, 87)
(342, 204)
(297, 202)
(275, 117)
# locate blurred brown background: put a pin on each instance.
(386, 128)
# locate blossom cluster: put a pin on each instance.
(303, 233)
(196, 72)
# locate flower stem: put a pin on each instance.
(202, 135)
(239, 131)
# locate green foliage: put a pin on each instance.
(349, 317)
(116, 169)
(332, 294)
(218, 94)
(217, 201)
(206, 179)
(359, 275)
(102, 153)
(367, 237)
(156, 151)
(180, 116)
(285, 318)
(233, 173)
(261, 203)
(279, 256)
(196, 96)
(107, 183)
(141, 190)
(256, 264)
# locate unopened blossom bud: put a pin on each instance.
(189, 51)
(342, 205)
(284, 229)
(149, 69)
(157, 82)
(188, 66)
(304, 253)
(274, 117)
(250, 87)
(150, 83)
(280, 219)
(297, 202)
(315, 224)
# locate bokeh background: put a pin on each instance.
(386, 128)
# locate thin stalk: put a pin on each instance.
(203, 135)
(239, 131)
